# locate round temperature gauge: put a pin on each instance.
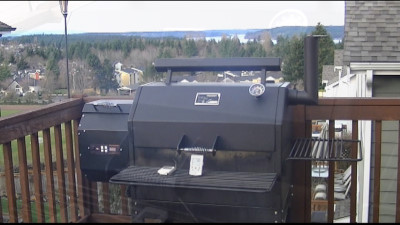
(257, 90)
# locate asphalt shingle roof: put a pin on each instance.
(5, 28)
(372, 31)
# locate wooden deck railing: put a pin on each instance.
(30, 124)
(68, 196)
(64, 195)
(375, 110)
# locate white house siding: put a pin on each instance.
(387, 86)
(357, 85)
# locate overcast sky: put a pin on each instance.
(128, 16)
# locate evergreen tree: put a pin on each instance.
(282, 47)
(93, 61)
(105, 77)
(5, 72)
(340, 44)
(150, 74)
(234, 47)
(22, 64)
(293, 63)
(52, 66)
(165, 53)
(223, 46)
(12, 59)
(211, 51)
(189, 48)
(29, 52)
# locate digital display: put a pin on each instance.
(104, 149)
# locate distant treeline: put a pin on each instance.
(94, 55)
(80, 45)
(336, 32)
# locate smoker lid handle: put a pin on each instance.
(217, 64)
(106, 104)
(180, 147)
(171, 65)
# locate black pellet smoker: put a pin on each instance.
(200, 152)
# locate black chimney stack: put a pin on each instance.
(310, 94)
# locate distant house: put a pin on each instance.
(123, 78)
(184, 79)
(118, 66)
(128, 79)
(255, 77)
(36, 75)
(233, 77)
(124, 90)
(134, 75)
(227, 80)
(5, 29)
(14, 86)
(127, 76)
(370, 67)
(34, 89)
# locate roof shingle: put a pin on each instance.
(371, 31)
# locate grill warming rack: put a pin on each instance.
(319, 149)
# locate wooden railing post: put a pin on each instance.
(94, 200)
(9, 173)
(377, 171)
(106, 197)
(71, 172)
(398, 177)
(50, 193)
(23, 171)
(37, 181)
(60, 174)
(83, 211)
(353, 186)
(301, 201)
(331, 176)
(124, 200)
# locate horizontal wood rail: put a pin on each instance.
(354, 109)
(30, 122)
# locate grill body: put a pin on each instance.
(240, 142)
(244, 141)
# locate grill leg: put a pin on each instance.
(146, 214)
(151, 215)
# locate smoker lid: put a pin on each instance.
(108, 106)
(226, 117)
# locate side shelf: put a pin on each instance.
(216, 180)
(319, 149)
